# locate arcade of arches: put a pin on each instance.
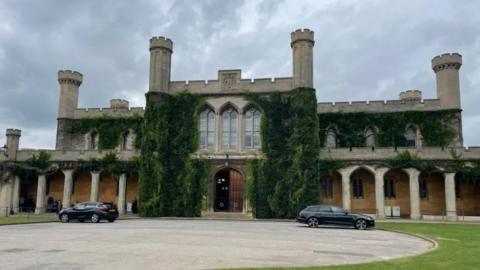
(405, 193)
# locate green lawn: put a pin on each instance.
(17, 219)
(459, 248)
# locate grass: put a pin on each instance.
(459, 248)
(21, 219)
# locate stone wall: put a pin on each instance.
(378, 106)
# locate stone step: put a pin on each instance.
(225, 215)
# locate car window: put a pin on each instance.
(324, 208)
(80, 206)
(338, 209)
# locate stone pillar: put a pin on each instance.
(413, 175)
(346, 197)
(67, 188)
(94, 187)
(122, 192)
(450, 198)
(5, 197)
(379, 192)
(16, 195)
(41, 196)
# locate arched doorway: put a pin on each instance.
(229, 191)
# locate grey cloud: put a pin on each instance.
(365, 50)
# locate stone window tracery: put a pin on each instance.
(207, 128)
(92, 140)
(411, 137)
(128, 140)
(229, 129)
(331, 140)
(370, 137)
(252, 129)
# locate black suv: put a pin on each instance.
(315, 215)
(93, 211)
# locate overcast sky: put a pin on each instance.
(365, 50)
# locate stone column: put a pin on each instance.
(414, 193)
(41, 190)
(450, 198)
(122, 188)
(16, 195)
(94, 187)
(346, 197)
(5, 197)
(67, 188)
(379, 192)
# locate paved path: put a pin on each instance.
(194, 244)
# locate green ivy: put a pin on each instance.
(172, 183)
(110, 163)
(110, 129)
(390, 127)
(406, 159)
(287, 179)
(36, 164)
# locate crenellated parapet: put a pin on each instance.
(447, 61)
(411, 95)
(70, 77)
(161, 43)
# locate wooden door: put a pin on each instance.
(236, 191)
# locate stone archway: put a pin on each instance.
(229, 190)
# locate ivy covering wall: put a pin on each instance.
(287, 178)
(110, 129)
(172, 182)
(435, 127)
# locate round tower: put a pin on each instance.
(302, 46)
(69, 82)
(160, 63)
(446, 68)
(13, 140)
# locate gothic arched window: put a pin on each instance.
(92, 140)
(207, 128)
(252, 128)
(411, 137)
(370, 137)
(128, 140)
(229, 128)
(331, 138)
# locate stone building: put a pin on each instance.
(230, 134)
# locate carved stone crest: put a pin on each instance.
(229, 79)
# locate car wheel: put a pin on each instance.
(312, 222)
(111, 220)
(94, 218)
(81, 220)
(64, 218)
(361, 224)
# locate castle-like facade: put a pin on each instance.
(229, 134)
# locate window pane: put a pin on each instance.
(203, 139)
(233, 140)
(248, 140)
(211, 139)
(256, 140)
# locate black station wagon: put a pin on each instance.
(93, 211)
(315, 215)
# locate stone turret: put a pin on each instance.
(411, 96)
(119, 104)
(302, 46)
(69, 82)
(446, 68)
(161, 50)
(13, 140)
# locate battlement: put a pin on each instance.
(232, 85)
(447, 61)
(119, 104)
(378, 106)
(161, 42)
(71, 77)
(113, 112)
(411, 96)
(302, 35)
(13, 132)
